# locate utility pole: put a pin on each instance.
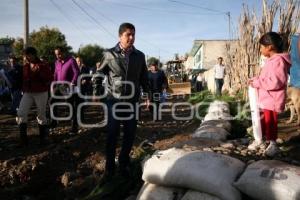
(26, 24)
(229, 24)
(158, 57)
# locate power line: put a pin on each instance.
(93, 19)
(163, 11)
(196, 6)
(208, 9)
(68, 19)
(98, 12)
(113, 22)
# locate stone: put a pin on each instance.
(237, 152)
(228, 146)
(245, 141)
(67, 177)
(239, 148)
(207, 149)
(279, 141)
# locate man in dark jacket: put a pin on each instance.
(14, 75)
(126, 71)
(158, 85)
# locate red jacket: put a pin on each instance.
(38, 81)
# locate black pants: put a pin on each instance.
(155, 99)
(199, 86)
(74, 100)
(113, 131)
(219, 85)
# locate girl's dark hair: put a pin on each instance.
(123, 27)
(274, 39)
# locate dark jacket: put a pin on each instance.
(97, 82)
(86, 88)
(15, 77)
(116, 68)
(158, 81)
(38, 81)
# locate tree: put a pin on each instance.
(46, 39)
(18, 46)
(7, 40)
(91, 54)
(6, 49)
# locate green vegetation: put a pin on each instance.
(7, 40)
(91, 54)
(46, 39)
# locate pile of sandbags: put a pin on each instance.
(195, 175)
(195, 195)
(270, 179)
(215, 125)
(155, 192)
(190, 174)
(202, 171)
(218, 110)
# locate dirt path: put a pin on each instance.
(71, 165)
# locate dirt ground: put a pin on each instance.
(71, 165)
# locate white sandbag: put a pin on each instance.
(195, 195)
(219, 106)
(272, 180)
(196, 144)
(218, 123)
(210, 132)
(155, 192)
(217, 115)
(202, 171)
(255, 115)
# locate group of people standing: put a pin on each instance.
(36, 80)
(125, 63)
(37, 84)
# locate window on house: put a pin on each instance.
(198, 58)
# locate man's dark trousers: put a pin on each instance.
(219, 85)
(113, 131)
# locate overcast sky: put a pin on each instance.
(163, 27)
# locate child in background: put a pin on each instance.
(271, 85)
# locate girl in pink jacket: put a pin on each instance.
(271, 85)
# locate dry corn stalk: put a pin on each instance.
(247, 57)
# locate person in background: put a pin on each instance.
(271, 85)
(158, 84)
(199, 82)
(85, 86)
(66, 69)
(14, 75)
(219, 70)
(97, 81)
(35, 85)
